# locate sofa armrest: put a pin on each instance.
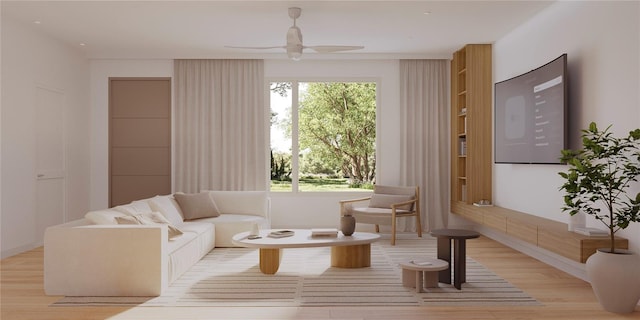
(256, 203)
(106, 260)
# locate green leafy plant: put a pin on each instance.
(600, 176)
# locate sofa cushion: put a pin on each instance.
(195, 227)
(379, 200)
(241, 202)
(169, 208)
(197, 205)
(135, 207)
(228, 225)
(148, 219)
(103, 216)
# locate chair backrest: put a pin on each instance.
(405, 191)
(384, 196)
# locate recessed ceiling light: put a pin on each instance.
(37, 22)
(426, 13)
(82, 44)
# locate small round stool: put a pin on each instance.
(421, 272)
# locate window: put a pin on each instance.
(331, 127)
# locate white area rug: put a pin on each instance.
(231, 277)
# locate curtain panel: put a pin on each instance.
(424, 137)
(220, 140)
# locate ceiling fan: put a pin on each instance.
(294, 44)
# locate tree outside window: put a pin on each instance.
(331, 126)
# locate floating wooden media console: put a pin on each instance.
(544, 233)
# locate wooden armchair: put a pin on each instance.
(386, 205)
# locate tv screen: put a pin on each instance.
(531, 115)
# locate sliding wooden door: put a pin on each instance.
(139, 138)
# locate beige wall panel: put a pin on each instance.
(140, 98)
(140, 133)
(139, 138)
(125, 189)
(140, 161)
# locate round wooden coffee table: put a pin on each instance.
(352, 251)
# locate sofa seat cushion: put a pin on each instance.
(197, 227)
(228, 225)
(199, 239)
(181, 241)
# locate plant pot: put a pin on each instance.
(615, 279)
(347, 225)
(578, 220)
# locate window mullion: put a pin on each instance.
(294, 137)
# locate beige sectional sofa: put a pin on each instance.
(100, 256)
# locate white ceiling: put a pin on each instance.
(201, 29)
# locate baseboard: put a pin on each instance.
(18, 250)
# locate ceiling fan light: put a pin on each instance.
(294, 54)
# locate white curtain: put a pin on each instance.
(424, 137)
(220, 137)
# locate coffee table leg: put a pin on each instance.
(419, 281)
(270, 260)
(357, 256)
(444, 253)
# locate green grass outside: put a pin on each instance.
(315, 184)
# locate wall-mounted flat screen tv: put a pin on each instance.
(531, 110)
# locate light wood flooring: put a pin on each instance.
(563, 296)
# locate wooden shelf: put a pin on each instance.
(471, 110)
(545, 233)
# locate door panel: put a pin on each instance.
(50, 159)
(129, 188)
(139, 138)
(140, 161)
(140, 132)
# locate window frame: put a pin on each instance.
(295, 81)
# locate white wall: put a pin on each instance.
(289, 210)
(602, 42)
(28, 59)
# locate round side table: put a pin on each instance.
(459, 237)
(421, 273)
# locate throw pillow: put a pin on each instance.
(197, 205)
(169, 208)
(103, 216)
(379, 200)
(135, 207)
(150, 218)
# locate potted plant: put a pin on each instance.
(598, 183)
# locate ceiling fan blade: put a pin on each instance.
(275, 47)
(329, 49)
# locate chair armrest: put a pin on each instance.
(345, 203)
(354, 200)
(400, 204)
